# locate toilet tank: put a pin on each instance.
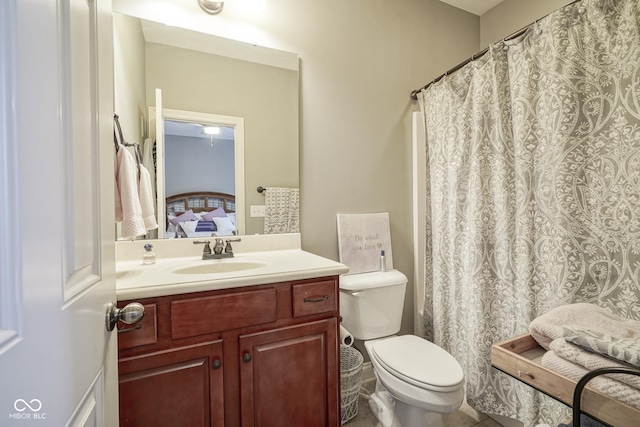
(371, 304)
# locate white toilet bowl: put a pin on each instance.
(417, 382)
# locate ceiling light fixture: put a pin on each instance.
(211, 7)
(210, 130)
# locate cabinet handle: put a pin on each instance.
(246, 358)
(217, 364)
(316, 299)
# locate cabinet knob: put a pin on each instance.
(246, 358)
(217, 364)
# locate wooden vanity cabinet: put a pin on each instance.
(263, 355)
(174, 387)
(285, 376)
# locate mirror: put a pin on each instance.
(202, 157)
(207, 74)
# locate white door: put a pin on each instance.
(58, 363)
(157, 120)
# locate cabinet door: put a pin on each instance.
(176, 387)
(289, 376)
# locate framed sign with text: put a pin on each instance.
(361, 239)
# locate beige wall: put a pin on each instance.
(130, 100)
(360, 59)
(512, 15)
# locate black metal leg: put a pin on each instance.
(577, 393)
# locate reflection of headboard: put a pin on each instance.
(200, 201)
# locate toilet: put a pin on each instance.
(417, 381)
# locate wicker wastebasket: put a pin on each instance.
(350, 380)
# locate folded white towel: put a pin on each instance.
(127, 209)
(617, 390)
(149, 162)
(591, 361)
(146, 200)
(549, 326)
(625, 349)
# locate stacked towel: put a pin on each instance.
(616, 389)
(591, 361)
(626, 349)
(549, 326)
(583, 337)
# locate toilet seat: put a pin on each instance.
(419, 362)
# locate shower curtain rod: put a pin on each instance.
(414, 93)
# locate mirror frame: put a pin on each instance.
(191, 116)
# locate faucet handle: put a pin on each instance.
(228, 248)
(207, 248)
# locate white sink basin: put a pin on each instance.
(220, 266)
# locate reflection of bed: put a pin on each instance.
(201, 204)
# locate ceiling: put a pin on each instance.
(477, 7)
(194, 130)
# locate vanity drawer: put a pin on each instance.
(147, 332)
(313, 298)
(204, 315)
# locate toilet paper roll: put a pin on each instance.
(345, 337)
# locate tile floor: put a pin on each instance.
(466, 416)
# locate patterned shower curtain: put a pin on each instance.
(533, 191)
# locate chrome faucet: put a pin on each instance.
(221, 248)
(218, 247)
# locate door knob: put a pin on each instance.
(129, 314)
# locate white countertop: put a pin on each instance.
(281, 263)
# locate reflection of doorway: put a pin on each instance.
(157, 130)
(196, 161)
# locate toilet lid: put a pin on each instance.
(419, 362)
